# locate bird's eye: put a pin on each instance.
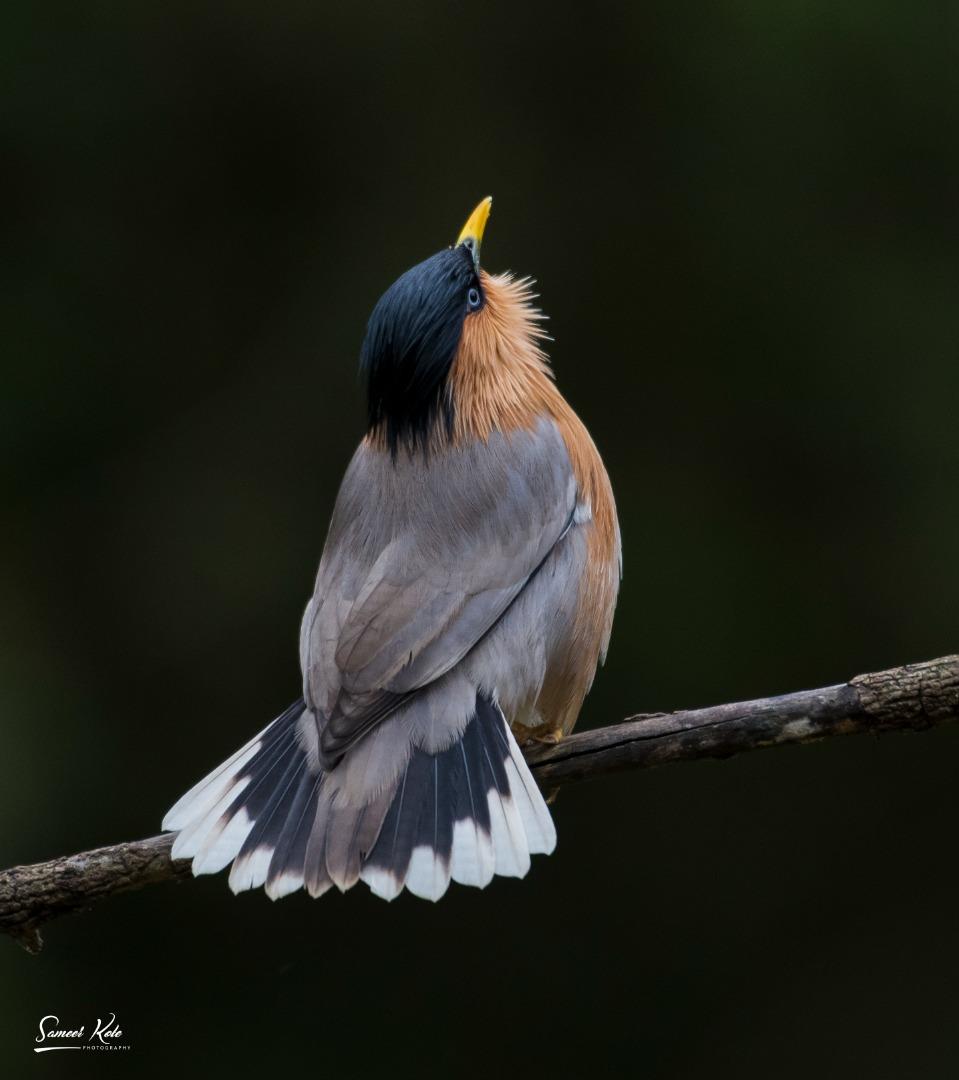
(473, 298)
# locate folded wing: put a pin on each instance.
(423, 557)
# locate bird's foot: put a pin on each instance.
(540, 736)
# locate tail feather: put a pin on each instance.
(285, 875)
(203, 795)
(537, 820)
(510, 844)
(256, 784)
(316, 880)
(252, 864)
(230, 794)
(472, 859)
(463, 814)
(353, 836)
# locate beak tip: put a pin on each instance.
(476, 224)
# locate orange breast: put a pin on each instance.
(571, 673)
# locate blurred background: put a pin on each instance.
(743, 221)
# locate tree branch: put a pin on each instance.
(910, 698)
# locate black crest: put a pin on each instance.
(411, 340)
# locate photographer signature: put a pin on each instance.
(105, 1033)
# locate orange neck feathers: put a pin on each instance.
(501, 380)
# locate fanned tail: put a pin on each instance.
(464, 814)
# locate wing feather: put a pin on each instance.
(425, 554)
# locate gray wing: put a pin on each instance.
(422, 558)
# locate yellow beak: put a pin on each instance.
(472, 232)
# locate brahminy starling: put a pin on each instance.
(464, 598)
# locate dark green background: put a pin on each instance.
(743, 221)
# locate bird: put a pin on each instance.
(463, 601)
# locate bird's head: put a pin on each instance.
(449, 347)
